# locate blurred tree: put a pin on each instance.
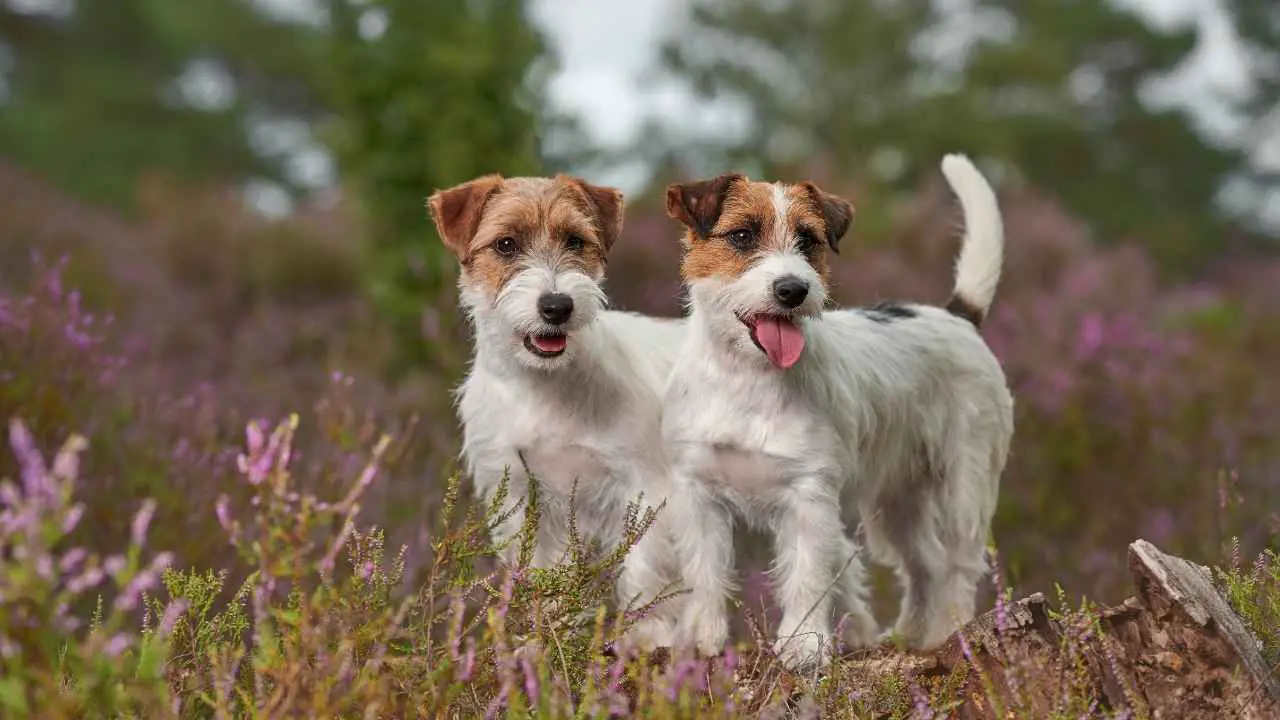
(430, 94)
(415, 95)
(1258, 24)
(1051, 88)
(94, 95)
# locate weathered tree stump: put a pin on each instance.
(1175, 650)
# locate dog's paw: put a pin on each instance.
(892, 637)
(803, 650)
(704, 628)
(860, 630)
(650, 633)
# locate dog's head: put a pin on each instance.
(756, 258)
(532, 255)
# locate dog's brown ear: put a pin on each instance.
(698, 204)
(837, 214)
(457, 210)
(607, 203)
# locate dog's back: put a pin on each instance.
(653, 342)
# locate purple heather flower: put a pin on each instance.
(35, 477)
(141, 521)
(254, 437)
(90, 578)
(71, 560)
(116, 645)
(222, 510)
(172, 613)
(72, 518)
(114, 565)
(921, 703)
(531, 686)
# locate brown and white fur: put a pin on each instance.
(558, 384)
(805, 421)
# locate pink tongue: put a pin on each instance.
(550, 343)
(781, 339)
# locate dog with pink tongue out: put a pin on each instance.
(806, 422)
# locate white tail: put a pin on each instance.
(982, 254)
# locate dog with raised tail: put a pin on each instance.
(804, 421)
(559, 387)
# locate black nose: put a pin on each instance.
(555, 308)
(790, 291)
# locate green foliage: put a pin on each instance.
(1257, 24)
(54, 666)
(92, 101)
(1254, 592)
(450, 90)
(207, 628)
(323, 627)
(1050, 89)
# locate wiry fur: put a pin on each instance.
(897, 416)
(589, 417)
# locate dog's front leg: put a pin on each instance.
(808, 540)
(549, 539)
(702, 532)
(643, 579)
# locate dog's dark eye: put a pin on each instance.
(806, 241)
(506, 246)
(574, 243)
(742, 239)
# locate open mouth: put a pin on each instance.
(546, 345)
(777, 336)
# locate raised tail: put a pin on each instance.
(982, 254)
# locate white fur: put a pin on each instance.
(982, 254)
(901, 423)
(589, 416)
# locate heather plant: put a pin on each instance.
(65, 367)
(64, 370)
(57, 664)
(1254, 592)
(326, 625)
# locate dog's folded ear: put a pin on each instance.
(698, 204)
(456, 212)
(837, 213)
(607, 204)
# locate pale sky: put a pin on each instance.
(608, 53)
(608, 49)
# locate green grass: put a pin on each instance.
(325, 625)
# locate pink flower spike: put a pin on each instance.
(222, 510)
(172, 613)
(254, 438)
(117, 645)
(71, 560)
(141, 521)
(66, 464)
(34, 474)
(72, 518)
(114, 565)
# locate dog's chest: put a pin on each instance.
(751, 416)
(559, 443)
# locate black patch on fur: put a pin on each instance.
(962, 308)
(886, 312)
